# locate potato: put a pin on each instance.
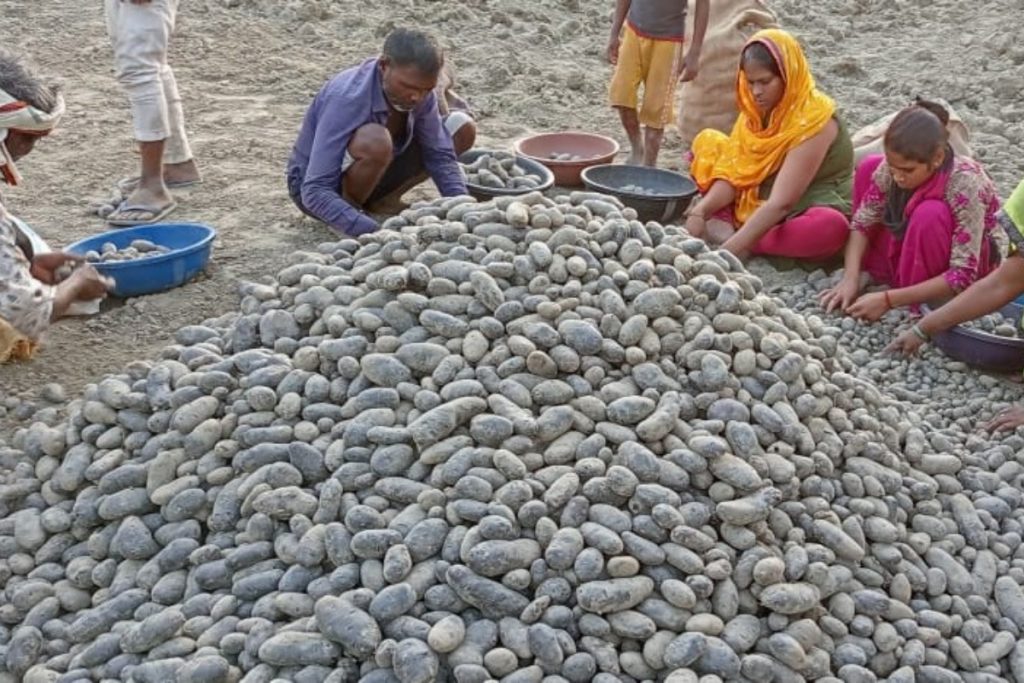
(489, 179)
(580, 196)
(394, 223)
(518, 215)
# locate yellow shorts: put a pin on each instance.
(654, 63)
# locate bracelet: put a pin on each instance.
(888, 301)
(690, 213)
(921, 334)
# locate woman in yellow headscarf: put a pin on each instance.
(779, 184)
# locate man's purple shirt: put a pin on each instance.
(348, 101)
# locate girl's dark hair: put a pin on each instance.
(758, 53)
(404, 47)
(919, 132)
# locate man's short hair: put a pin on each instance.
(20, 83)
(409, 47)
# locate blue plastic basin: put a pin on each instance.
(190, 245)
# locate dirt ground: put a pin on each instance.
(248, 69)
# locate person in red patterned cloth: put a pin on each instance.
(30, 295)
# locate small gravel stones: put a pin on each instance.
(529, 439)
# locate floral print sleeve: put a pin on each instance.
(974, 203)
(871, 210)
(25, 302)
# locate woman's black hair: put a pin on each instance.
(919, 132)
(759, 54)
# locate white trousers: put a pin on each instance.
(141, 35)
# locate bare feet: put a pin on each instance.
(144, 205)
(175, 175)
(636, 156)
(186, 171)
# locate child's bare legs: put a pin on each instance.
(631, 124)
(652, 145)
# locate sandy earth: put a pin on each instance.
(248, 68)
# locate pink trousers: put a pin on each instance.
(817, 234)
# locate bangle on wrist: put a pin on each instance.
(888, 301)
(921, 334)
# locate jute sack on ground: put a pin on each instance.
(709, 101)
(868, 140)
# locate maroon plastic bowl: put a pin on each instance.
(592, 149)
(982, 350)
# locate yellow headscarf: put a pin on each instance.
(753, 152)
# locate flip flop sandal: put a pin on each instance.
(126, 185)
(155, 215)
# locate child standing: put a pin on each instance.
(646, 47)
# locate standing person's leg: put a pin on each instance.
(140, 33)
(660, 66)
(179, 165)
(622, 92)
(927, 244)
(817, 234)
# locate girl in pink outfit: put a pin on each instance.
(924, 220)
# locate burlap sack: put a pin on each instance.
(709, 101)
(868, 140)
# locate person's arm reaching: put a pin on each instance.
(873, 305)
(720, 195)
(843, 295)
(438, 153)
(985, 296)
(798, 170)
(340, 117)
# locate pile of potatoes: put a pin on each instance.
(500, 170)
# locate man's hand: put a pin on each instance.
(689, 67)
(613, 50)
(45, 266)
